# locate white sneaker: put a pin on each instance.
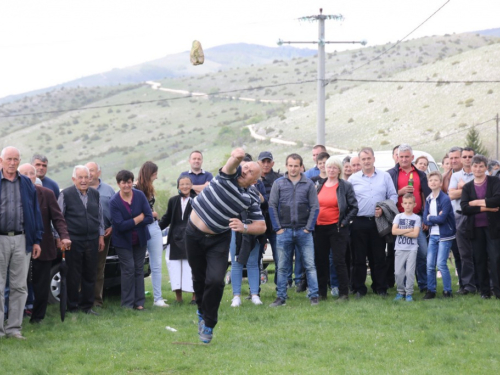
(256, 300)
(236, 301)
(160, 303)
(335, 291)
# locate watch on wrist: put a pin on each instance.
(245, 228)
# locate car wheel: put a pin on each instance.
(228, 277)
(263, 277)
(55, 284)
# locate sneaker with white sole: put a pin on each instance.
(256, 300)
(236, 302)
(335, 291)
(206, 334)
(160, 303)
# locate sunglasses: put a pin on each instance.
(467, 157)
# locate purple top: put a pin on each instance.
(481, 218)
(135, 236)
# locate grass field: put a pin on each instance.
(371, 335)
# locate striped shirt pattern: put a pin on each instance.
(224, 199)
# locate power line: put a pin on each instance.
(397, 43)
(439, 81)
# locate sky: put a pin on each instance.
(44, 43)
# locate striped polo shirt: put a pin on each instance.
(224, 199)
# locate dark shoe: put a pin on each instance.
(322, 298)
(315, 301)
(193, 302)
(35, 321)
(27, 312)
(430, 295)
(464, 292)
(343, 297)
(17, 336)
(447, 294)
(424, 290)
(139, 308)
(301, 287)
(278, 302)
(485, 296)
(383, 294)
(91, 312)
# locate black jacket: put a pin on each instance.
(348, 205)
(394, 172)
(173, 218)
(492, 200)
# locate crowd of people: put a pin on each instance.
(327, 227)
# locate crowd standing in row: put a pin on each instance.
(335, 220)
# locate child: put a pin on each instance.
(406, 227)
(438, 215)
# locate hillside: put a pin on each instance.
(164, 126)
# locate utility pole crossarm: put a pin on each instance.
(321, 64)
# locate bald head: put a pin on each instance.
(250, 174)
(29, 171)
(355, 164)
(95, 173)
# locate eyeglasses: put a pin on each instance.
(467, 157)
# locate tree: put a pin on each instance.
(474, 141)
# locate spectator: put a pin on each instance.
(408, 179)
(493, 167)
(355, 164)
(480, 203)
(105, 194)
(445, 164)
(406, 226)
(320, 162)
(314, 171)
(198, 176)
(293, 207)
(131, 214)
(148, 173)
(438, 215)
(347, 170)
(83, 214)
(20, 237)
(337, 208)
(422, 163)
(41, 266)
(455, 157)
(457, 182)
(40, 162)
(371, 186)
(176, 218)
(395, 157)
(208, 234)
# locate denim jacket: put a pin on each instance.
(445, 220)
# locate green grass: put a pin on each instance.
(371, 335)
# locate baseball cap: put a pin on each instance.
(265, 155)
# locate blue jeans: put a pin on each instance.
(155, 250)
(334, 281)
(422, 261)
(286, 243)
(437, 254)
(252, 266)
(298, 271)
(272, 241)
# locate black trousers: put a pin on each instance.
(208, 258)
(331, 238)
(132, 275)
(82, 271)
(458, 261)
(41, 287)
(487, 261)
(389, 261)
(366, 242)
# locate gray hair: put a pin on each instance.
(478, 159)
(403, 147)
(6, 148)
(80, 167)
(493, 163)
(97, 165)
(38, 182)
(40, 157)
(455, 149)
(332, 160)
(367, 150)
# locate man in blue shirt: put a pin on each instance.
(314, 171)
(371, 186)
(199, 177)
(40, 162)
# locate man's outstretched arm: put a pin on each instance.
(234, 161)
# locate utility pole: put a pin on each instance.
(497, 134)
(320, 137)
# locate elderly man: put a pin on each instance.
(40, 162)
(208, 233)
(314, 171)
(105, 194)
(51, 216)
(371, 186)
(198, 176)
(408, 179)
(83, 213)
(355, 164)
(21, 230)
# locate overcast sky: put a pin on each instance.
(47, 42)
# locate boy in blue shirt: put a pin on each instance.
(406, 227)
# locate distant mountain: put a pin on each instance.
(489, 32)
(177, 65)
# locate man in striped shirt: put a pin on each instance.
(217, 211)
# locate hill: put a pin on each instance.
(123, 126)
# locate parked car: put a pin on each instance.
(112, 274)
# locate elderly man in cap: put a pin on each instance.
(268, 177)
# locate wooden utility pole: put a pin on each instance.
(320, 137)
